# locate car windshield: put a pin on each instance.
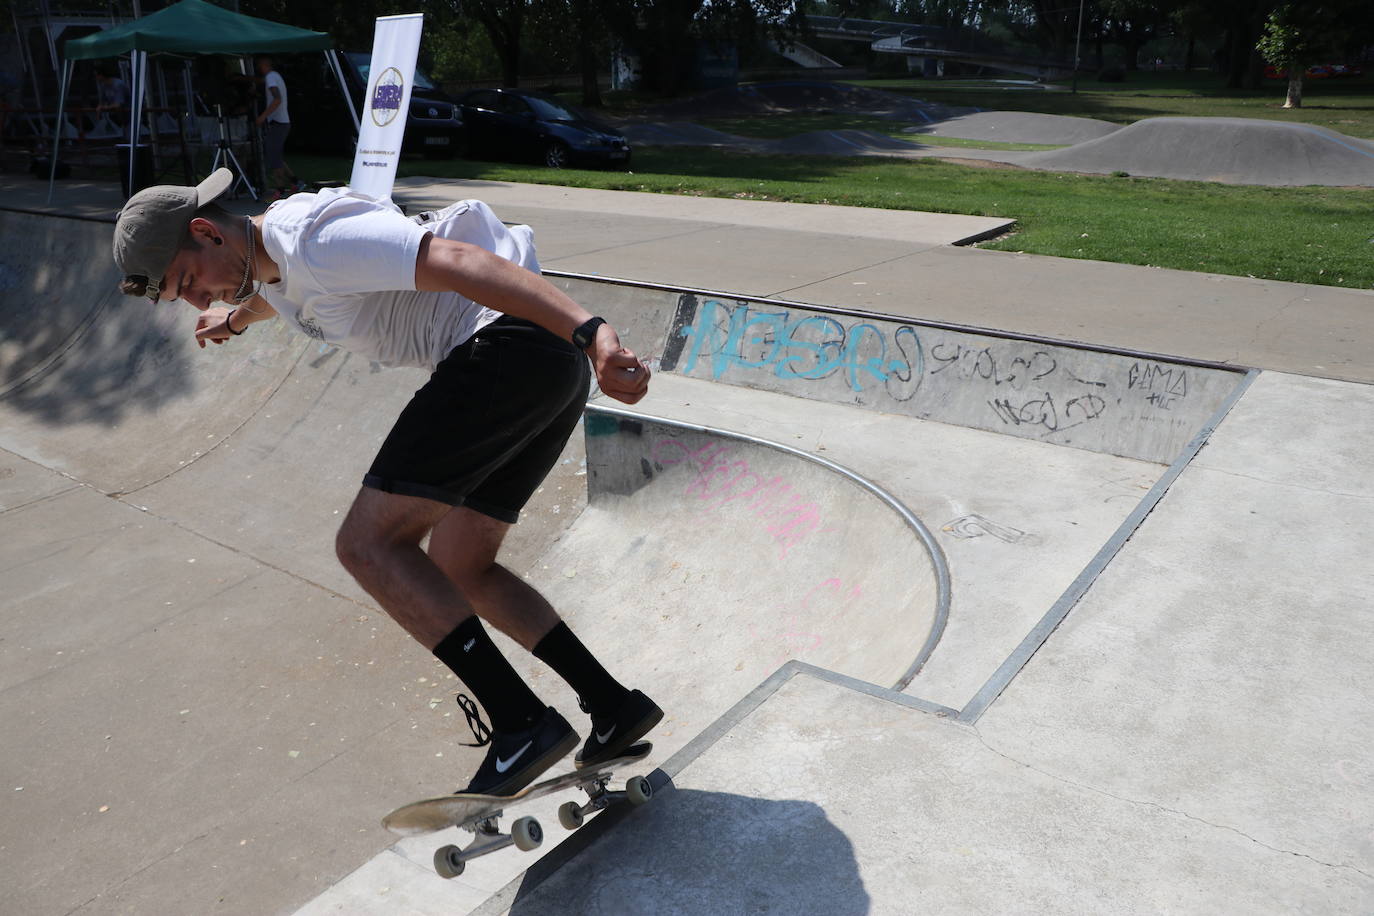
(363, 62)
(549, 110)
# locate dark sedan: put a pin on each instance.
(513, 123)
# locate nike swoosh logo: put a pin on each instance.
(606, 737)
(503, 765)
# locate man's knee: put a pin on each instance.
(376, 524)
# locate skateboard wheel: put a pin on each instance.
(638, 790)
(447, 863)
(570, 815)
(527, 834)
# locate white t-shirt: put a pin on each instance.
(272, 81)
(348, 274)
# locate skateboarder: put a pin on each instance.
(458, 293)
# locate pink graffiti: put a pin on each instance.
(788, 517)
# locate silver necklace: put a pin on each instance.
(241, 296)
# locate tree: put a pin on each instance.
(667, 33)
(1294, 37)
(503, 20)
(1132, 23)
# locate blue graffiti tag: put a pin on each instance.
(809, 347)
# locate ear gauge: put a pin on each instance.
(219, 241)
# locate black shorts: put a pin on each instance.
(487, 427)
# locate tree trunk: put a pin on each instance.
(591, 87)
(1131, 48)
(1294, 99)
(1188, 55)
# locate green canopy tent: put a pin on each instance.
(188, 27)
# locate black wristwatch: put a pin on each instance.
(586, 333)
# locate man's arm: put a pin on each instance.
(214, 324)
(444, 265)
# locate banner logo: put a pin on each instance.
(386, 97)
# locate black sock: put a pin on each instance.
(508, 700)
(565, 654)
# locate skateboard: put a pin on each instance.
(480, 814)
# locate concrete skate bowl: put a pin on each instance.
(1228, 150)
(752, 553)
(708, 558)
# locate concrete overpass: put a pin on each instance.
(935, 45)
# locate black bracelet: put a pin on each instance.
(229, 323)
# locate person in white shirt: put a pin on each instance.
(274, 121)
(459, 293)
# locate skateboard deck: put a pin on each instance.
(480, 814)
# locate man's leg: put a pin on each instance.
(464, 545)
(379, 543)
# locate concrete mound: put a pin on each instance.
(683, 133)
(840, 143)
(807, 96)
(1229, 150)
(1020, 127)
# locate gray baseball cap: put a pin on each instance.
(153, 225)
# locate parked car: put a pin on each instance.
(515, 123)
(433, 127)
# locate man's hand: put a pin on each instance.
(211, 325)
(620, 373)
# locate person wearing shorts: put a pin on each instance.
(459, 293)
(274, 122)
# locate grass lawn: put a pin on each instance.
(1308, 235)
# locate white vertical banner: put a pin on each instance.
(383, 123)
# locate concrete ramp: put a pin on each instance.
(1230, 150)
(103, 387)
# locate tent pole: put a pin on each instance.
(57, 133)
(333, 57)
(140, 63)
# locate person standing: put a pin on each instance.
(113, 98)
(274, 122)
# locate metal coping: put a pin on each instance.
(1037, 637)
(662, 778)
(937, 555)
(915, 322)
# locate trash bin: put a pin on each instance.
(143, 168)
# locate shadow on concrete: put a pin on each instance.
(72, 348)
(695, 852)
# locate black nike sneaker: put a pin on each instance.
(517, 758)
(612, 734)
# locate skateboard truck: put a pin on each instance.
(637, 792)
(525, 835)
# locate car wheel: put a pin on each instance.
(557, 155)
